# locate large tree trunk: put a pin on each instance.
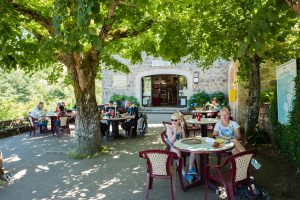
(254, 95)
(294, 5)
(82, 69)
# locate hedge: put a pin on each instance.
(287, 137)
(13, 127)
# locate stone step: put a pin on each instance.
(161, 110)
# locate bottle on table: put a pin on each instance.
(199, 117)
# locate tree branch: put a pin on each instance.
(125, 33)
(33, 15)
(110, 19)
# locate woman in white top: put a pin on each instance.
(229, 129)
(38, 111)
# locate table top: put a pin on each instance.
(71, 114)
(116, 118)
(206, 145)
(205, 111)
(203, 121)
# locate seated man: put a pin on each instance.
(132, 114)
(110, 109)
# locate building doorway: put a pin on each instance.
(165, 90)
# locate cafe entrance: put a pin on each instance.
(165, 90)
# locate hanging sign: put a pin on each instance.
(232, 95)
(196, 77)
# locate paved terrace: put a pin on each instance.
(43, 170)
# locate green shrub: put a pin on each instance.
(199, 99)
(287, 137)
(76, 155)
(267, 96)
(121, 98)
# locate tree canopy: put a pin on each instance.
(86, 35)
(250, 32)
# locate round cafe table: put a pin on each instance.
(207, 113)
(203, 123)
(54, 116)
(115, 124)
(203, 150)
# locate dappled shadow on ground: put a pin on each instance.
(43, 171)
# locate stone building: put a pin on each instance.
(157, 83)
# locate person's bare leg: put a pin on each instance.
(179, 155)
(238, 147)
(191, 160)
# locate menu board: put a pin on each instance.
(285, 75)
(147, 86)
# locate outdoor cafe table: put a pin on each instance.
(203, 123)
(115, 124)
(202, 150)
(53, 116)
(206, 112)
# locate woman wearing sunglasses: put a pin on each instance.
(176, 132)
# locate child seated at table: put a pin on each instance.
(61, 113)
(176, 132)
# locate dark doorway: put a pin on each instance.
(164, 90)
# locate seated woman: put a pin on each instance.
(214, 105)
(110, 109)
(176, 132)
(39, 115)
(229, 129)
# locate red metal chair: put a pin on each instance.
(231, 176)
(33, 125)
(163, 136)
(166, 124)
(188, 128)
(160, 165)
(184, 155)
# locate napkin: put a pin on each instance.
(209, 140)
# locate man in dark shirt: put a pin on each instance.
(110, 109)
(132, 114)
(131, 110)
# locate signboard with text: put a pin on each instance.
(285, 75)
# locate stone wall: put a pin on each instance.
(211, 80)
